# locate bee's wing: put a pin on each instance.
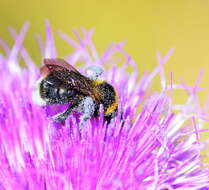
(56, 64)
(81, 83)
(85, 86)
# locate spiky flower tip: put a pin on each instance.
(150, 148)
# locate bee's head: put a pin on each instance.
(51, 90)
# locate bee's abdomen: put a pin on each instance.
(108, 97)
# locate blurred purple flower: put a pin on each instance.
(153, 149)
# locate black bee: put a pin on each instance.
(61, 83)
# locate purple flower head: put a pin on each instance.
(155, 146)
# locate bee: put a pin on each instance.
(60, 83)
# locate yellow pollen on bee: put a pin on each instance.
(98, 82)
(113, 106)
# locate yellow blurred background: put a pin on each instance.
(148, 26)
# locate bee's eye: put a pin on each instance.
(52, 92)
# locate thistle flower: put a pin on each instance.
(153, 147)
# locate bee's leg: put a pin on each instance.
(94, 72)
(63, 115)
(87, 107)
